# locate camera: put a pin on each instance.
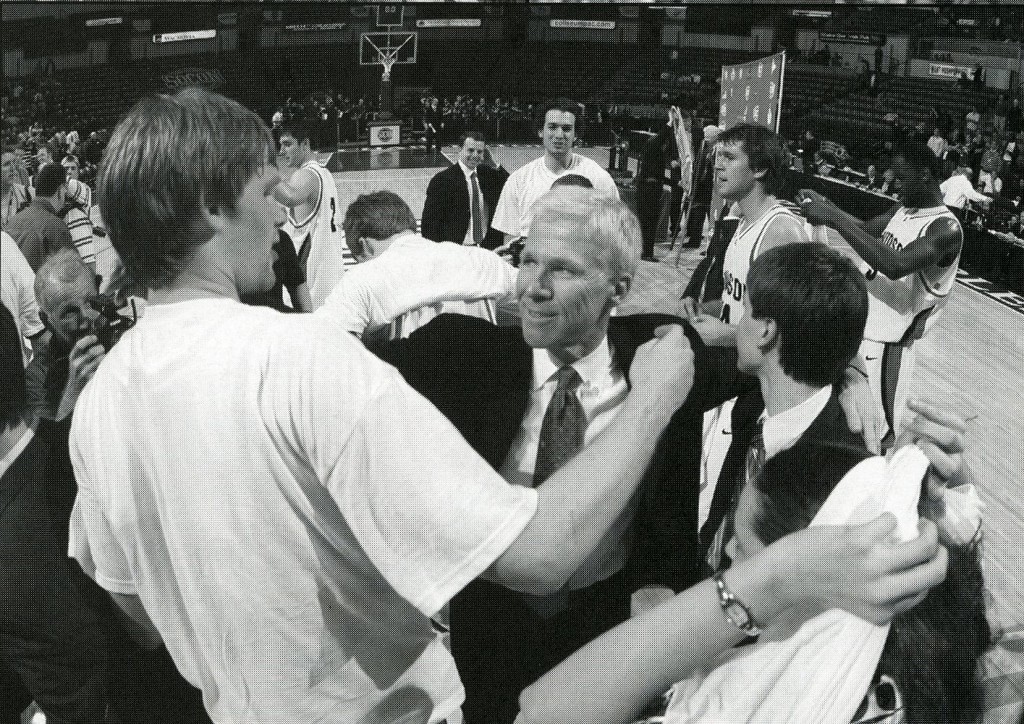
(110, 324)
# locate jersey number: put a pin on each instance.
(333, 227)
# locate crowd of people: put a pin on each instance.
(283, 500)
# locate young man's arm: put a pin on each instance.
(940, 241)
(300, 189)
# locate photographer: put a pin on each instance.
(64, 288)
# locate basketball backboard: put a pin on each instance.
(376, 48)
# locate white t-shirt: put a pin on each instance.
(514, 211)
(289, 511)
(416, 279)
(17, 281)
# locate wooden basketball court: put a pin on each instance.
(972, 362)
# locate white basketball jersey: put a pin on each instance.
(910, 304)
(742, 250)
(318, 238)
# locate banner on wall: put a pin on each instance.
(308, 27)
(752, 92)
(449, 23)
(185, 35)
(950, 72)
(183, 77)
(585, 24)
(859, 38)
(99, 22)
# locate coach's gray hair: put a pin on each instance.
(602, 220)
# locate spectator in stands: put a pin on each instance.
(18, 295)
(558, 132)
(991, 163)
(971, 121)
(1000, 112)
(1013, 117)
(937, 143)
(77, 212)
(38, 229)
(872, 180)
(15, 195)
(461, 199)
(957, 191)
(404, 280)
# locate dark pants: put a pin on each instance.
(502, 646)
(675, 209)
(695, 224)
(648, 207)
(52, 644)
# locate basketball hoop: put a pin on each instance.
(387, 54)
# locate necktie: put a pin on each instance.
(561, 437)
(717, 558)
(561, 432)
(479, 222)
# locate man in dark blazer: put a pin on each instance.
(807, 306)
(489, 381)
(447, 214)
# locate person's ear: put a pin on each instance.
(621, 287)
(768, 334)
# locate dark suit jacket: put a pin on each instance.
(478, 375)
(828, 431)
(446, 210)
(707, 277)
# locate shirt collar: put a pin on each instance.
(466, 170)
(593, 369)
(783, 430)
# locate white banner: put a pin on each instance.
(951, 72)
(385, 134)
(315, 26)
(97, 22)
(185, 35)
(450, 23)
(587, 24)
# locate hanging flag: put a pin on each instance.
(684, 143)
(752, 92)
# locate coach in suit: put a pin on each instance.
(462, 198)
(529, 398)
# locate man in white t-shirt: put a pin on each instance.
(514, 212)
(405, 280)
(281, 509)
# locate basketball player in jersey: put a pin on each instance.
(909, 257)
(313, 222)
(750, 167)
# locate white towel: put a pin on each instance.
(818, 671)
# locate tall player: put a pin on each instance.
(910, 257)
(313, 221)
(750, 167)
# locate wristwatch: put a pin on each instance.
(735, 610)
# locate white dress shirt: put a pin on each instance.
(957, 190)
(468, 172)
(602, 392)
